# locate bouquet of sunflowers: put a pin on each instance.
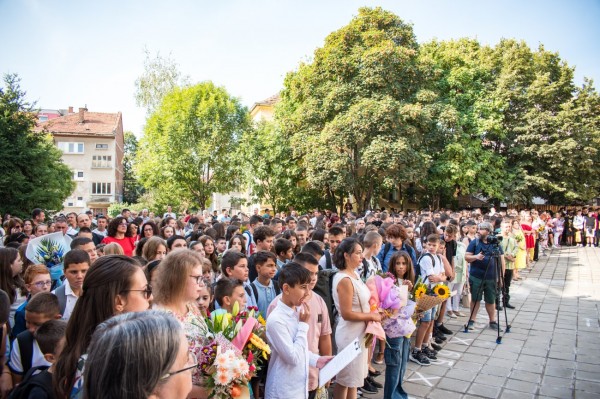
(426, 298)
(232, 352)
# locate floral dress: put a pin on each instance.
(195, 330)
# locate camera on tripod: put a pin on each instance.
(494, 239)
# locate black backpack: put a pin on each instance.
(25, 342)
(275, 285)
(42, 380)
(324, 286)
(418, 265)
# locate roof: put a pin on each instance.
(274, 99)
(94, 124)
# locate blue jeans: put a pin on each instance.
(396, 356)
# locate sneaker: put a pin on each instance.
(374, 383)
(438, 340)
(440, 335)
(419, 357)
(379, 358)
(441, 328)
(435, 346)
(368, 387)
(471, 325)
(430, 353)
(494, 326)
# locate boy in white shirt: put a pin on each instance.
(287, 328)
(432, 272)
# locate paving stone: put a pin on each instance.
(525, 376)
(557, 382)
(521, 386)
(508, 394)
(555, 392)
(559, 372)
(453, 385)
(587, 386)
(458, 374)
(485, 391)
(588, 375)
(492, 380)
(496, 370)
(439, 393)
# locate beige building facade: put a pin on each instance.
(92, 144)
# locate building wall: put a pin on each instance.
(88, 173)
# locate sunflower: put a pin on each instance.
(441, 290)
(419, 292)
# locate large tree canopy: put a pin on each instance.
(33, 174)
(190, 144)
(357, 113)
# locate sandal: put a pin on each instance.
(379, 358)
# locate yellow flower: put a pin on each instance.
(261, 320)
(420, 292)
(441, 290)
(260, 345)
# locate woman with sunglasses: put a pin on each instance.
(178, 285)
(113, 285)
(160, 373)
(119, 232)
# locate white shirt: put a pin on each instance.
(428, 268)
(287, 376)
(71, 301)
(37, 358)
(100, 233)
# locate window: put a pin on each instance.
(102, 146)
(43, 118)
(79, 198)
(101, 161)
(70, 147)
(101, 188)
(78, 175)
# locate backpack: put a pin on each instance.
(62, 298)
(41, 380)
(324, 288)
(25, 342)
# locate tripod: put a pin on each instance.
(495, 257)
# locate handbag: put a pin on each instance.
(465, 297)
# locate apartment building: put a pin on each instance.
(92, 144)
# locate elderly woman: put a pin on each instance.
(119, 342)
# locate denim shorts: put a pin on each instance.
(430, 314)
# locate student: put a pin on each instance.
(86, 244)
(336, 235)
(235, 265)
(176, 242)
(263, 287)
(221, 245)
(263, 236)
(228, 291)
(302, 234)
(37, 384)
(432, 272)
(319, 327)
(287, 329)
(395, 236)
(284, 251)
(77, 262)
(397, 349)
(37, 279)
(205, 298)
(25, 352)
(255, 221)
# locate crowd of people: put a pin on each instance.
(125, 315)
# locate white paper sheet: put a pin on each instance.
(341, 360)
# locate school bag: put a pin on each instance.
(324, 286)
(25, 342)
(31, 380)
(418, 265)
(275, 285)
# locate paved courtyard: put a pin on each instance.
(552, 350)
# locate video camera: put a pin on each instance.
(494, 239)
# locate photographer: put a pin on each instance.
(483, 274)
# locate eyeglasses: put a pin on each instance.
(42, 284)
(199, 279)
(147, 291)
(191, 363)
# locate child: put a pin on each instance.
(37, 279)
(228, 291)
(235, 265)
(221, 245)
(76, 264)
(284, 251)
(319, 327)
(207, 273)
(37, 384)
(25, 352)
(398, 348)
(432, 271)
(287, 328)
(263, 287)
(205, 298)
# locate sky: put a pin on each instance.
(77, 53)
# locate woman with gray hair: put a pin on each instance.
(139, 356)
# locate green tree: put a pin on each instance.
(189, 149)
(132, 189)
(356, 114)
(33, 174)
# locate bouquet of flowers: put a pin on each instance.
(390, 300)
(49, 250)
(519, 237)
(232, 351)
(426, 298)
